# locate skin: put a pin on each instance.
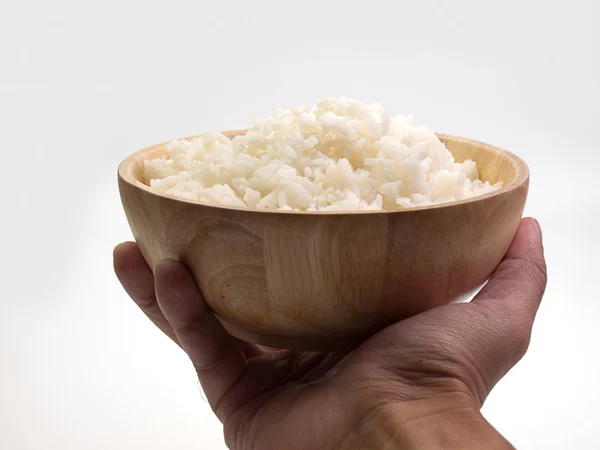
(419, 383)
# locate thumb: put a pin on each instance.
(506, 307)
(519, 282)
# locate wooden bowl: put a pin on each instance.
(327, 280)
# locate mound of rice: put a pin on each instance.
(340, 155)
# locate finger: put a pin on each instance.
(519, 282)
(501, 316)
(217, 356)
(324, 367)
(250, 350)
(138, 281)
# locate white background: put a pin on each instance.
(83, 84)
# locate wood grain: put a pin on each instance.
(328, 280)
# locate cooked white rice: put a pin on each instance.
(340, 155)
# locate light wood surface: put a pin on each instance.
(328, 280)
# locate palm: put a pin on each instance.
(284, 391)
(287, 389)
(284, 399)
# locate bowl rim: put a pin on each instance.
(521, 177)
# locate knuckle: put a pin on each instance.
(509, 330)
(530, 270)
(536, 270)
(501, 339)
(522, 345)
(515, 346)
(536, 265)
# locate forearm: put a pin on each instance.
(449, 429)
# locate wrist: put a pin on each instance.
(429, 425)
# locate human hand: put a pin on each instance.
(417, 384)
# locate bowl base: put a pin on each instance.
(300, 343)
